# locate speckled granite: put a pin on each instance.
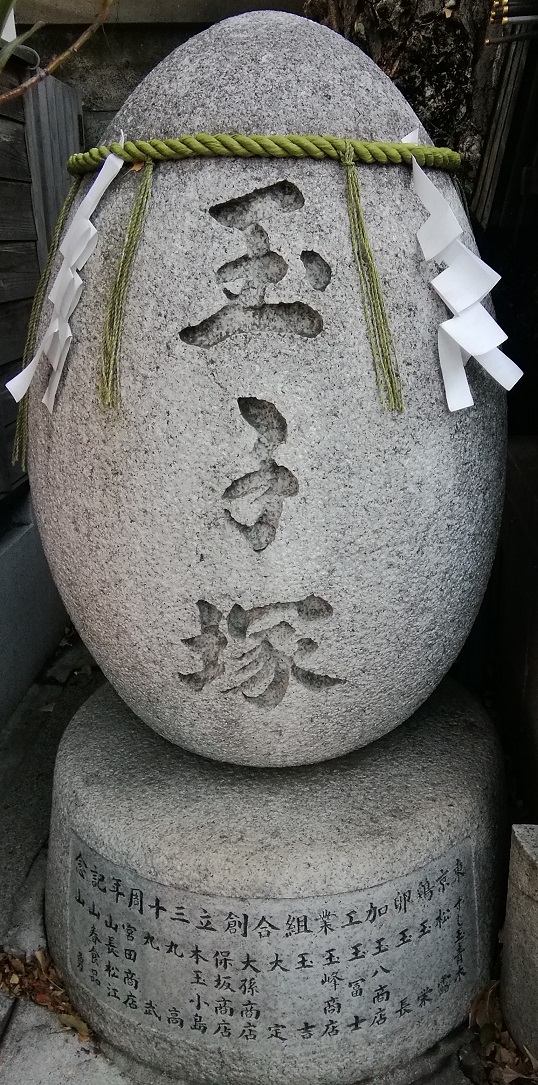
(305, 926)
(519, 980)
(269, 568)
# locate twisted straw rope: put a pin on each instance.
(239, 146)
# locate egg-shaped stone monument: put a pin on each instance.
(270, 567)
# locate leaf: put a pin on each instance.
(533, 1061)
(10, 46)
(485, 1007)
(136, 166)
(505, 1056)
(42, 959)
(503, 1075)
(71, 1020)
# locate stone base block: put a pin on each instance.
(519, 984)
(325, 924)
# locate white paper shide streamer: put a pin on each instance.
(463, 285)
(76, 249)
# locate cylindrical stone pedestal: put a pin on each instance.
(324, 924)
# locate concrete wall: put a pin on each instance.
(111, 64)
(136, 37)
(144, 11)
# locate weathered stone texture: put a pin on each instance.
(519, 982)
(253, 496)
(202, 914)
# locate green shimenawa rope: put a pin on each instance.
(345, 150)
(369, 152)
(377, 325)
(109, 385)
(20, 445)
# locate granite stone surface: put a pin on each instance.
(519, 980)
(269, 567)
(311, 925)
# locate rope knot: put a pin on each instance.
(347, 156)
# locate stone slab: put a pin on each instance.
(319, 925)
(269, 567)
(37, 1050)
(7, 1005)
(26, 932)
(519, 980)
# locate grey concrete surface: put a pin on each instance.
(38, 1050)
(269, 567)
(26, 932)
(314, 925)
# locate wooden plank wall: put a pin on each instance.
(53, 114)
(19, 267)
(38, 132)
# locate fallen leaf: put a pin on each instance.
(505, 1056)
(136, 166)
(485, 1008)
(533, 1061)
(39, 981)
(70, 1020)
(503, 1075)
(42, 959)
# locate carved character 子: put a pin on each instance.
(254, 502)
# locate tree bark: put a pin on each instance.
(431, 50)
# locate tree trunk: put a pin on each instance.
(431, 50)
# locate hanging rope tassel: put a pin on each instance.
(377, 325)
(109, 377)
(20, 445)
